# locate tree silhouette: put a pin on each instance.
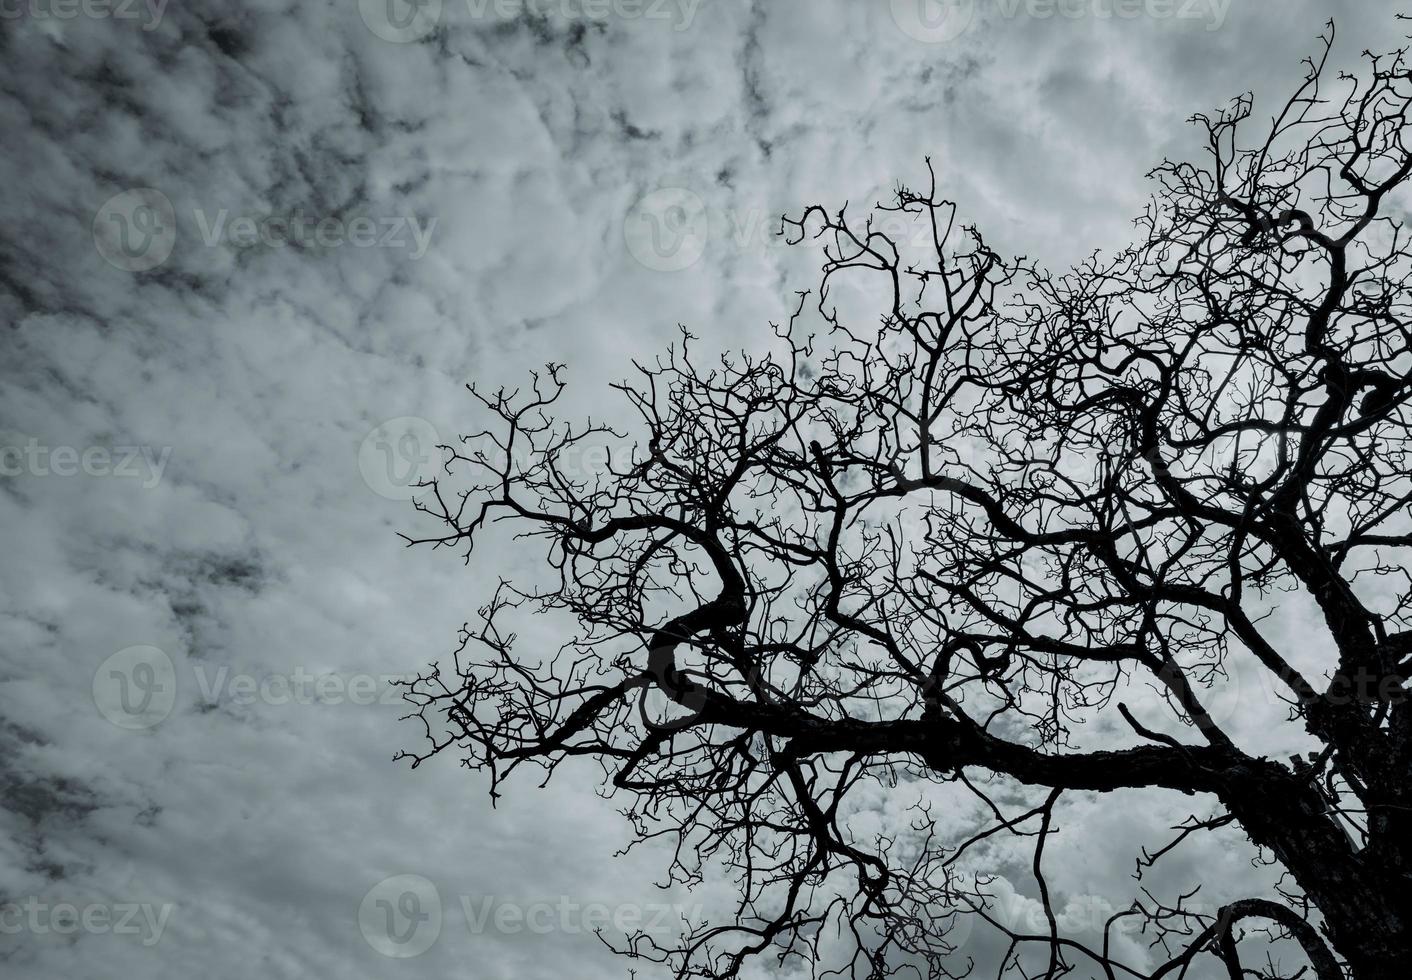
(919, 559)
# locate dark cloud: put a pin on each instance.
(450, 193)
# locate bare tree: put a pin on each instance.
(919, 557)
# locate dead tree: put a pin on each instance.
(918, 556)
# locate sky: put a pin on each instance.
(250, 255)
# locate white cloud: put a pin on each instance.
(261, 548)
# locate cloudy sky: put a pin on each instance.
(250, 254)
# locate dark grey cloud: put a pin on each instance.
(236, 240)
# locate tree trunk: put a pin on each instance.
(1364, 897)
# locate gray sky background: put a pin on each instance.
(250, 539)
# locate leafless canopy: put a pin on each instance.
(918, 559)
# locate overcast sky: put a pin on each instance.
(200, 405)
